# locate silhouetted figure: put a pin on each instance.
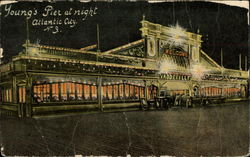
(177, 100)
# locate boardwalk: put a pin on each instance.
(221, 130)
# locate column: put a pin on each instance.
(50, 92)
(146, 90)
(59, 92)
(83, 93)
(76, 93)
(67, 90)
(113, 91)
(90, 91)
(28, 104)
(14, 90)
(118, 88)
(99, 92)
(124, 91)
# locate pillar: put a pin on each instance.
(99, 93)
(124, 91)
(50, 92)
(28, 108)
(14, 90)
(59, 92)
(146, 90)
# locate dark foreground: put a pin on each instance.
(221, 130)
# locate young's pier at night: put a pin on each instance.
(166, 67)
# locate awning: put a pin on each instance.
(176, 86)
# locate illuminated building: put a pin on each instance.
(47, 79)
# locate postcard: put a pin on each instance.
(124, 78)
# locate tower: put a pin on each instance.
(161, 39)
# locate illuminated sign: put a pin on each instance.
(176, 53)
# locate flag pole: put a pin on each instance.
(27, 31)
(240, 61)
(98, 40)
(221, 57)
(246, 63)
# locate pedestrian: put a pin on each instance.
(177, 100)
(188, 101)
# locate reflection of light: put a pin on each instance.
(198, 71)
(167, 66)
(178, 34)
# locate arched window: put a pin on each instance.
(131, 91)
(137, 92)
(79, 90)
(142, 92)
(116, 92)
(87, 92)
(126, 91)
(71, 91)
(55, 92)
(121, 91)
(104, 92)
(93, 92)
(63, 91)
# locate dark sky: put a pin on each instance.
(223, 27)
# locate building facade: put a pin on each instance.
(47, 79)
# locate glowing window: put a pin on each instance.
(104, 92)
(116, 91)
(71, 87)
(110, 92)
(87, 91)
(132, 91)
(121, 91)
(63, 91)
(55, 92)
(94, 92)
(142, 92)
(126, 90)
(46, 92)
(136, 92)
(79, 90)
(22, 94)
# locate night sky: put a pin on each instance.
(223, 27)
